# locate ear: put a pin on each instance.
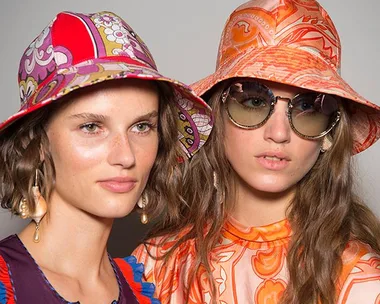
(326, 143)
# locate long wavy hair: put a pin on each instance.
(325, 214)
(25, 143)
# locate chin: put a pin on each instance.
(272, 188)
(112, 211)
(270, 184)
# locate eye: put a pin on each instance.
(307, 104)
(255, 102)
(90, 128)
(142, 127)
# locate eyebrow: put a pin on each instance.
(89, 116)
(100, 117)
(147, 116)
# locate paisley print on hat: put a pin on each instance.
(77, 50)
(293, 42)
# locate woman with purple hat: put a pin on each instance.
(97, 132)
(275, 219)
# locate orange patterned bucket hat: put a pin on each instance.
(293, 42)
(78, 50)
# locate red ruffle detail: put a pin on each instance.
(137, 287)
(6, 281)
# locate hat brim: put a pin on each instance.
(194, 115)
(301, 69)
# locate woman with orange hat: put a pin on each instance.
(97, 132)
(275, 219)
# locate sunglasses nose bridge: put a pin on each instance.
(287, 99)
(290, 105)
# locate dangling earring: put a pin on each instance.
(142, 203)
(326, 144)
(23, 209)
(217, 187)
(215, 178)
(40, 208)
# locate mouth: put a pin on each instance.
(118, 184)
(273, 158)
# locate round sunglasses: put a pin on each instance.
(249, 105)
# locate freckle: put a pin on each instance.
(116, 141)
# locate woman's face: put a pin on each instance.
(271, 158)
(103, 145)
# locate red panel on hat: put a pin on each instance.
(71, 32)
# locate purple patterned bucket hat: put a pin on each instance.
(78, 50)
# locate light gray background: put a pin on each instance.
(183, 37)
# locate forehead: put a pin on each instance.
(125, 96)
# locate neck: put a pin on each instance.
(257, 208)
(72, 242)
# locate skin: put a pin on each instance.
(264, 183)
(108, 131)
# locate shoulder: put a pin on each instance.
(6, 289)
(133, 274)
(160, 251)
(360, 279)
(168, 273)
(157, 249)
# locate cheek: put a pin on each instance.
(309, 152)
(146, 153)
(239, 143)
(75, 157)
(231, 146)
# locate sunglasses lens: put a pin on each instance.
(248, 103)
(313, 113)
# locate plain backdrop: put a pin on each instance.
(183, 37)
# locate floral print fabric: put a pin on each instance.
(249, 266)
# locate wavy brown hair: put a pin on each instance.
(325, 214)
(24, 148)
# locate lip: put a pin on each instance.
(118, 184)
(279, 164)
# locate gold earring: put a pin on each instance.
(215, 179)
(326, 144)
(39, 210)
(23, 209)
(217, 188)
(142, 203)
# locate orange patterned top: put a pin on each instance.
(249, 266)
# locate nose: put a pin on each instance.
(121, 152)
(277, 128)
